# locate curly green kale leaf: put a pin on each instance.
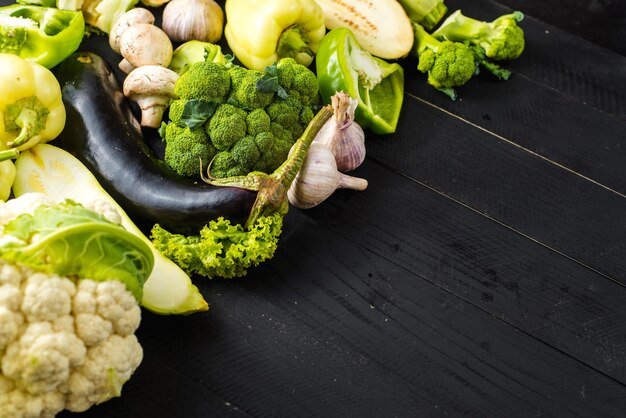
(221, 249)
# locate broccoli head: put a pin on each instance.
(248, 125)
(184, 148)
(204, 80)
(448, 64)
(226, 126)
(501, 39)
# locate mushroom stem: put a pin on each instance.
(152, 111)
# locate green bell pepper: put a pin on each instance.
(342, 65)
(44, 35)
(7, 171)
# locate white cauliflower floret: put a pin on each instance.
(63, 345)
(27, 203)
(106, 209)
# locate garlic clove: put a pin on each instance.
(186, 20)
(318, 179)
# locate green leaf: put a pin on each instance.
(269, 82)
(196, 112)
(221, 249)
(70, 240)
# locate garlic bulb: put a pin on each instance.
(342, 134)
(186, 20)
(319, 178)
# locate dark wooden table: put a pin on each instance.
(481, 274)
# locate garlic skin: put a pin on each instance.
(342, 135)
(319, 178)
(186, 20)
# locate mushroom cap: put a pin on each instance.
(145, 44)
(150, 80)
(128, 19)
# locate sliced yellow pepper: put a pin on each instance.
(261, 32)
(31, 107)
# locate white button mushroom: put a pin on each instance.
(152, 87)
(128, 19)
(144, 44)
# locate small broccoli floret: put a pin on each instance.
(306, 115)
(298, 81)
(226, 126)
(246, 153)
(502, 38)
(448, 64)
(204, 80)
(225, 165)
(184, 148)
(244, 92)
(176, 109)
(257, 121)
(285, 112)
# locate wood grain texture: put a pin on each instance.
(479, 275)
(510, 185)
(333, 329)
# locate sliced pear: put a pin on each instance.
(47, 169)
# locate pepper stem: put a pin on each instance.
(27, 120)
(272, 188)
(293, 42)
(9, 154)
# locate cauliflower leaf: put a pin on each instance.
(69, 239)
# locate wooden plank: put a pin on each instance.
(533, 288)
(560, 59)
(602, 22)
(523, 191)
(330, 328)
(544, 107)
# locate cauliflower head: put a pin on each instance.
(64, 343)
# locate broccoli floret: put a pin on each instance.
(244, 92)
(257, 121)
(285, 112)
(448, 64)
(502, 38)
(176, 109)
(204, 80)
(184, 148)
(246, 153)
(492, 67)
(306, 115)
(298, 81)
(224, 165)
(226, 126)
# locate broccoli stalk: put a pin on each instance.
(272, 188)
(448, 64)
(424, 12)
(501, 39)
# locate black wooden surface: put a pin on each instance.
(480, 274)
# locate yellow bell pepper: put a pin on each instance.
(7, 172)
(31, 108)
(261, 32)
